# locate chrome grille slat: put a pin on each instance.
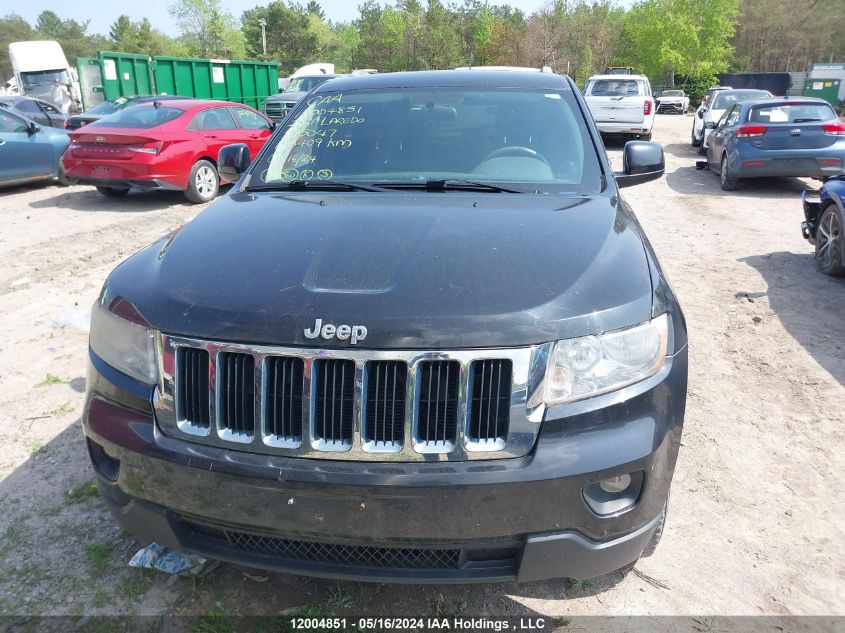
(389, 405)
(384, 421)
(440, 412)
(236, 410)
(334, 403)
(283, 398)
(488, 420)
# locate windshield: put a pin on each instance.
(615, 88)
(107, 107)
(726, 98)
(673, 93)
(305, 84)
(139, 117)
(45, 77)
(418, 135)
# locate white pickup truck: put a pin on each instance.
(621, 104)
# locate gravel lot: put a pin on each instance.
(756, 516)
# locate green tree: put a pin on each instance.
(290, 40)
(73, 36)
(314, 8)
(123, 33)
(441, 46)
(13, 28)
(208, 30)
(666, 38)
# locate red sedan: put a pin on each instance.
(163, 145)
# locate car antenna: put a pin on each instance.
(156, 104)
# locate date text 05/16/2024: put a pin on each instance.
(422, 624)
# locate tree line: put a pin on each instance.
(675, 42)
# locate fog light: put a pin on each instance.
(614, 495)
(615, 485)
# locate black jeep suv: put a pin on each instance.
(422, 339)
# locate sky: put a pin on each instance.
(102, 13)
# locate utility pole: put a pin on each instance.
(263, 24)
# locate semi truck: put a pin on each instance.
(41, 70)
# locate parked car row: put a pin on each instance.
(778, 136)
(143, 142)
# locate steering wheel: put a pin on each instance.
(515, 150)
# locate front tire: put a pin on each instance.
(112, 192)
(203, 183)
(726, 179)
(694, 140)
(651, 546)
(645, 137)
(829, 240)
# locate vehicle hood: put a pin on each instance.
(418, 270)
(670, 98)
(287, 96)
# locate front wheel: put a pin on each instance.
(112, 192)
(829, 242)
(645, 137)
(694, 140)
(203, 183)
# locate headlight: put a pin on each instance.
(124, 345)
(591, 365)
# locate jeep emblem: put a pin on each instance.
(328, 331)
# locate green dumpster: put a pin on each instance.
(241, 81)
(125, 74)
(827, 89)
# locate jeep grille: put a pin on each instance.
(350, 403)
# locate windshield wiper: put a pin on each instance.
(450, 184)
(314, 185)
(805, 120)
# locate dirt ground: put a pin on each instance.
(756, 515)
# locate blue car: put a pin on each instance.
(783, 136)
(824, 213)
(29, 152)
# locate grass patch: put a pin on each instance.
(80, 493)
(62, 409)
(136, 584)
(580, 584)
(101, 597)
(50, 380)
(11, 534)
(214, 623)
(340, 598)
(97, 556)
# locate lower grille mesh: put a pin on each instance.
(334, 553)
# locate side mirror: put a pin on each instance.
(700, 114)
(642, 161)
(233, 161)
(33, 128)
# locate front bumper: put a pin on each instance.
(510, 519)
(669, 107)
